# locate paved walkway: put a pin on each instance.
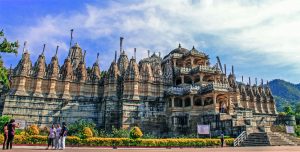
(225, 149)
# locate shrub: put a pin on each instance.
(87, 132)
(120, 133)
(3, 119)
(77, 128)
(33, 130)
(96, 141)
(135, 133)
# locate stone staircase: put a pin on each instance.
(256, 139)
(294, 139)
(270, 139)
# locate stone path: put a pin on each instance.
(225, 149)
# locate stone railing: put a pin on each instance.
(216, 86)
(183, 90)
(203, 68)
(176, 55)
(200, 68)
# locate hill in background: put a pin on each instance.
(285, 93)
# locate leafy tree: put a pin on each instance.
(6, 47)
(4, 119)
(297, 108)
(288, 110)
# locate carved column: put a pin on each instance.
(21, 86)
(38, 87)
(172, 99)
(215, 103)
(66, 93)
(52, 89)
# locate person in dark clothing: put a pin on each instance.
(5, 134)
(222, 139)
(63, 135)
(11, 133)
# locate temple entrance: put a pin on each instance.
(223, 103)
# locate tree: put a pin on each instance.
(297, 108)
(6, 47)
(288, 110)
(3, 120)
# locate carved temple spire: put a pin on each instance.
(40, 65)
(96, 70)
(24, 66)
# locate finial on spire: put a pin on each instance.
(56, 50)
(116, 56)
(225, 69)
(83, 57)
(135, 53)
(242, 78)
(256, 81)
(232, 70)
(24, 47)
(193, 47)
(71, 37)
(159, 54)
(262, 82)
(43, 49)
(148, 53)
(121, 44)
(179, 46)
(249, 81)
(98, 57)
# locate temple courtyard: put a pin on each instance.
(225, 149)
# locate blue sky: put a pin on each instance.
(260, 38)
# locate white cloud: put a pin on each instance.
(266, 28)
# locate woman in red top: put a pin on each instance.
(5, 134)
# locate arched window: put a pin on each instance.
(197, 102)
(178, 80)
(187, 102)
(178, 102)
(188, 80)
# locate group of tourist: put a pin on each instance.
(56, 137)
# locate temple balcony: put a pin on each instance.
(197, 69)
(216, 87)
(182, 90)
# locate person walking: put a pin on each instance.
(11, 133)
(51, 137)
(5, 134)
(63, 135)
(222, 139)
(57, 137)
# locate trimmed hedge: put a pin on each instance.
(97, 141)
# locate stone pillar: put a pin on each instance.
(201, 78)
(262, 107)
(135, 91)
(66, 93)
(20, 89)
(268, 106)
(215, 102)
(52, 90)
(202, 101)
(192, 62)
(255, 105)
(192, 101)
(38, 88)
(182, 79)
(172, 102)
